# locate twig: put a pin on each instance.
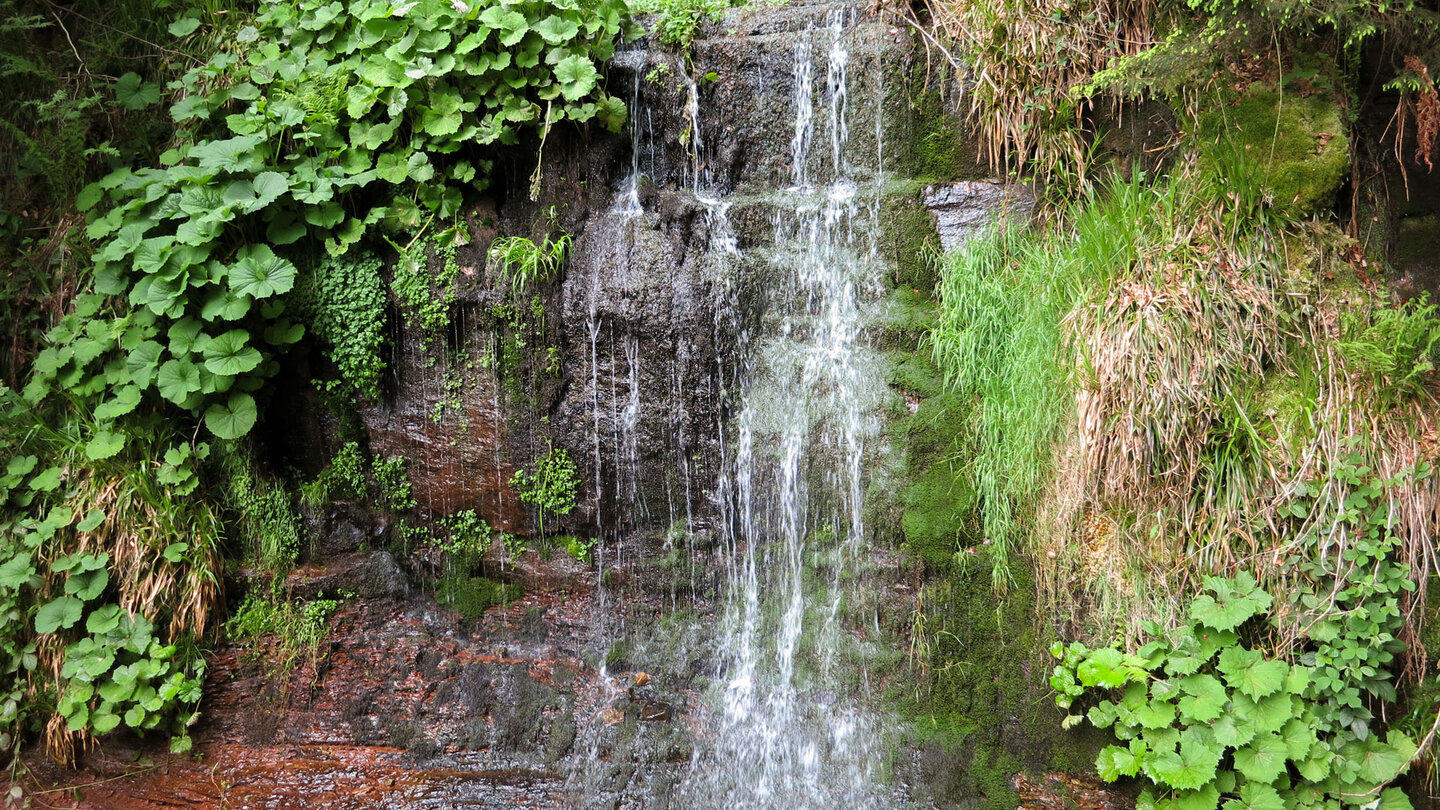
(73, 49)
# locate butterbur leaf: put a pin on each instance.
(1203, 799)
(231, 154)
(1102, 668)
(105, 444)
(1115, 762)
(184, 27)
(1248, 672)
(577, 76)
(177, 380)
(230, 354)
(1255, 796)
(92, 519)
(1232, 731)
(232, 419)
(556, 30)
(1204, 698)
(123, 402)
(58, 614)
(258, 272)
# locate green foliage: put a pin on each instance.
(425, 298)
(999, 341)
(551, 487)
(470, 535)
(265, 518)
(287, 136)
(345, 308)
(1212, 721)
(519, 262)
(80, 537)
(343, 479)
(580, 548)
(282, 633)
(1395, 347)
(471, 596)
(680, 20)
(393, 483)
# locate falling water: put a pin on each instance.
(781, 736)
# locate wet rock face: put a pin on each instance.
(963, 210)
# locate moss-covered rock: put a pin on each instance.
(979, 709)
(1293, 134)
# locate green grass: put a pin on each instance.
(1000, 337)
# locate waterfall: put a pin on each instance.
(791, 492)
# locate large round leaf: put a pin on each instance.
(58, 613)
(231, 354)
(177, 380)
(577, 76)
(233, 419)
(261, 273)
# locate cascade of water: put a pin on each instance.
(792, 492)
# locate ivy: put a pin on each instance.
(345, 308)
(1215, 722)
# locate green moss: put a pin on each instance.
(1294, 134)
(909, 241)
(471, 596)
(981, 704)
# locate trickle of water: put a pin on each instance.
(792, 485)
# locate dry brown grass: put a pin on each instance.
(140, 523)
(1023, 58)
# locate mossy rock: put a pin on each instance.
(1293, 134)
(982, 713)
(908, 239)
(471, 596)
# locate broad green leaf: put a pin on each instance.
(231, 154)
(1204, 698)
(1263, 760)
(225, 304)
(105, 444)
(1379, 761)
(233, 419)
(177, 380)
(230, 354)
(104, 619)
(92, 520)
(184, 27)
(186, 336)
(258, 272)
(1232, 731)
(87, 585)
(133, 93)
(556, 30)
(577, 77)
(1248, 672)
(1255, 796)
(46, 480)
(16, 571)
(1206, 798)
(1102, 668)
(142, 363)
(58, 614)
(1115, 762)
(124, 401)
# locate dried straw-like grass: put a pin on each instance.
(1023, 58)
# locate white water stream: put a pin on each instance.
(785, 733)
